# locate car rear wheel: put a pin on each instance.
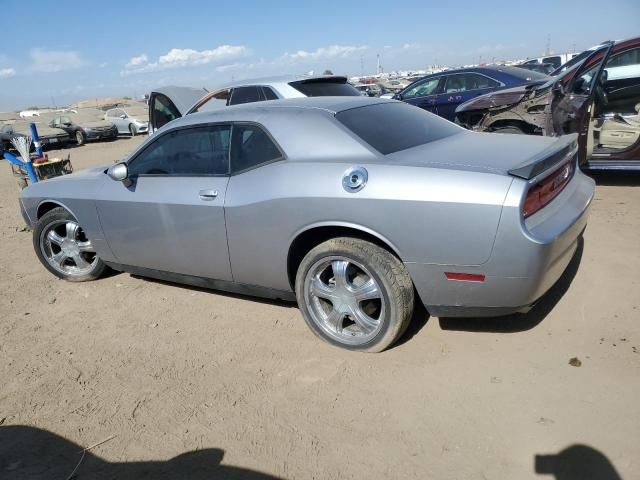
(133, 130)
(355, 294)
(64, 249)
(80, 137)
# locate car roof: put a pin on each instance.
(274, 80)
(250, 111)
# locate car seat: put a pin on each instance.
(621, 132)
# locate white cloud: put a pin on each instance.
(7, 72)
(137, 61)
(324, 53)
(49, 61)
(185, 57)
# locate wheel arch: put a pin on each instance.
(312, 235)
(46, 206)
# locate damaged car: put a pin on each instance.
(598, 98)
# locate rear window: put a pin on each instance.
(326, 88)
(524, 74)
(391, 127)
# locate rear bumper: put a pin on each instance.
(528, 258)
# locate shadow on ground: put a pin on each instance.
(577, 462)
(35, 454)
(616, 179)
(521, 322)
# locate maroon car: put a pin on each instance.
(598, 98)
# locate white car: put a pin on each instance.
(169, 103)
(130, 120)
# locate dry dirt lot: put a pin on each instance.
(170, 369)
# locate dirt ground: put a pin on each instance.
(170, 369)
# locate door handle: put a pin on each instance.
(208, 195)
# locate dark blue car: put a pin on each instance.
(441, 93)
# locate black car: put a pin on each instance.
(84, 125)
(49, 136)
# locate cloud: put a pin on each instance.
(7, 72)
(137, 61)
(184, 57)
(325, 53)
(49, 61)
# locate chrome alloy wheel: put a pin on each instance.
(344, 300)
(66, 248)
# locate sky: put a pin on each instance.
(73, 50)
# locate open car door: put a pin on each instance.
(169, 103)
(574, 96)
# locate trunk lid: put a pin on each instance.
(522, 156)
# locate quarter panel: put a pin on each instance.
(430, 215)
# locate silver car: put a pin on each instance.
(350, 205)
(130, 120)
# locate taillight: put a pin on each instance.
(542, 193)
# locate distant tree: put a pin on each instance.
(328, 72)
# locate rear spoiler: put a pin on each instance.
(561, 150)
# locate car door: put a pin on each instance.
(120, 120)
(460, 87)
(573, 97)
(170, 217)
(423, 93)
(161, 111)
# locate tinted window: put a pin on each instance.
(555, 61)
(424, 88)
(326, 88)
(391, 127)
(245, 95)
(213, 101)
(163, 111)
(251, 146)
(269, 94)
(193, 151)
(524, 74)
(468, 81)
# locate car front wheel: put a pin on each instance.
(64, 249)
(355, 294)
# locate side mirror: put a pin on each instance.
(397, 96)
(123, 116)
(118, 172)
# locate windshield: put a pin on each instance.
(574, 61)
(525, 74)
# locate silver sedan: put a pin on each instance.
(354, 207)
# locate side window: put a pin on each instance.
(163, 110)
(555, 61)
(109, 114)
(245, 95)
(468, 81)
(64, 120)
(193, 151)
(250, 147)
(625, 59)
(422, 89)
(269, 94)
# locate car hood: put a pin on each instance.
(496, 153)
(95, 124)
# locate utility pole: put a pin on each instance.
(362, 65)
(548, 52)
(378, 63)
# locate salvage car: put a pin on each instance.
(84, 124)
(598, 98)
(345, 204)
(20, 128)
(169, 103)
(441, 93)
(129, 119)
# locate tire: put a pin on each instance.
(81, 138)
(67, 252)
(332, 303)
(133, 130)
(513, 130)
